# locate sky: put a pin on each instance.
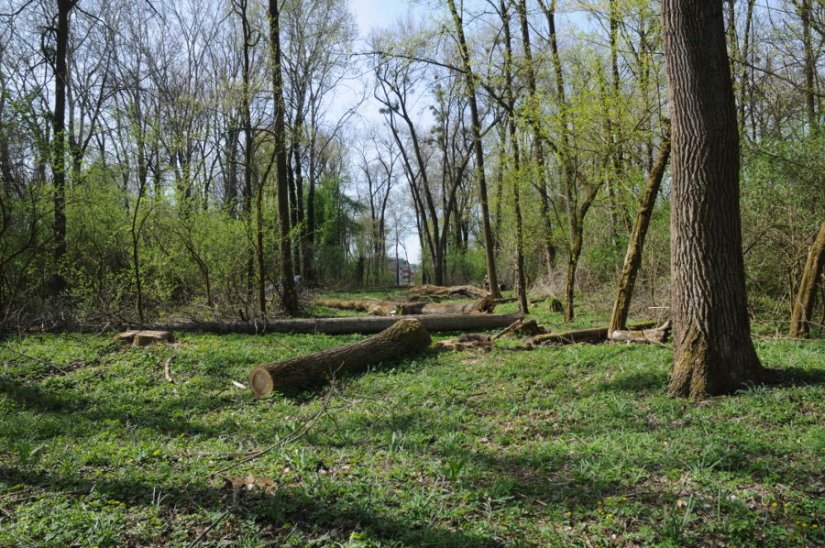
(372, 14)
(378, 14)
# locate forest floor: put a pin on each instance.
(575, 445)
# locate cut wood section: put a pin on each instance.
(455, 291)
(596, 335)
(403, 337)
(343, 326)
(144, 338)
(656, 335)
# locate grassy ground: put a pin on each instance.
(558, 446)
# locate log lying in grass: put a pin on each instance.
(343, 326)
(596, 335)
(485, 305)
(656, 335)
(145, 338)
(454, 291)
(403, 337)
(372, 306)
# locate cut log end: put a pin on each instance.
(261, 381)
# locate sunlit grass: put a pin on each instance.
(559, 446)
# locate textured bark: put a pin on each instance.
(803, 308)
(713, 351)
(404, 337)
(633, 258)
(343, 326)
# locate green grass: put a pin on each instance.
(558, 446)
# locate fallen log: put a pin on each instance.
(596, 335)
(428, 290)
(145, 338)
(403, 337)
(342, 326)
(485, 305)
(373, 307)
(656, 335)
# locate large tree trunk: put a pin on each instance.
(713, 351)
(633, 258)
(404, 337)
(803, 307)
(344, 326)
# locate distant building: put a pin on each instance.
(402, 270)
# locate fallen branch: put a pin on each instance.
(341, 326)
(596, 335)
(403, 337)
(166, 372)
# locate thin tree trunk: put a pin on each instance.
(521, 290)
(803, 309)
(61, 75)
(713, 351)
(538, 147)
(633, 258)
(289, 298)
(809, 67)
(475, 130)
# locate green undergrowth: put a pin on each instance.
(569, 446)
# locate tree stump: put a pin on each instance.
(403, 337)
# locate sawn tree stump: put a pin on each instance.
(403, 337)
